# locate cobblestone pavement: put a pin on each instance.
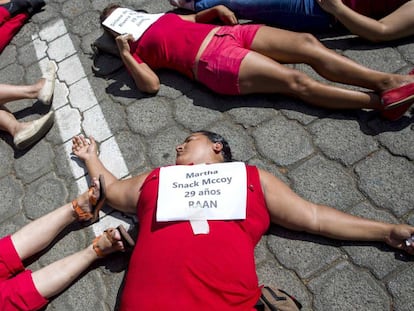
(354, 161)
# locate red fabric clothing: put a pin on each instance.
(9, 26)
(17, 290)
(219, 64)
(374, 8)
(173, 269)
(171, 43)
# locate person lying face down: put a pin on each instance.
(205, 256)
(375, 20)
(244, 59)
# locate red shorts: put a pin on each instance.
(17, 290)
(219, 65)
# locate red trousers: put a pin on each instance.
(17, 290)
(9, 26)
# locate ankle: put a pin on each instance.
(36, 88)
(20, 126)
(80, 208)
(83, 199)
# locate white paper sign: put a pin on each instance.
(127, 21)
(202, 192)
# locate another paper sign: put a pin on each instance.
(127, 21)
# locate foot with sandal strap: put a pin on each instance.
(35, 236)
(87, 206)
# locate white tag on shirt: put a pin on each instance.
(202, 192)
(200, 226)
(127, 21)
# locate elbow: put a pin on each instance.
(381, 34)
(150, 87)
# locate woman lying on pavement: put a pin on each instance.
(22, 289)
(196, 256)
(375, 20)
(246, 59)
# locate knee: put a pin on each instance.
(307, 39)
(299, 84)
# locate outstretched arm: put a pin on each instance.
(145, 78)
(396, 25)
(224, 14)
(122, 195)
(289, 210)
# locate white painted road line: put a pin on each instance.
(76, 108)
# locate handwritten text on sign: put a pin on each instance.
(127, 21)
(202, 192)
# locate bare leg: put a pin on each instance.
(10, 93)
(55, 277)
(290, 47)
(260, 74)
(9, 123)
(39, 233)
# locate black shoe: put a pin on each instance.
(16, 6)
(35, 6)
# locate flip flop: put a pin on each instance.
(126, 240)
(35, 6)
(96, 205)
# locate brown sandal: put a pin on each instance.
(126, 240)
(96, 205)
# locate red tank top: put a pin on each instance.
(173, 269)
(374, 8)
(171, 43)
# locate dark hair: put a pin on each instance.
(107, 11)
(216, 138)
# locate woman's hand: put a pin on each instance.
(221, 12)
(226, 15)
(122, 42)
(331, 6)
(398, 235)
(84, 148)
